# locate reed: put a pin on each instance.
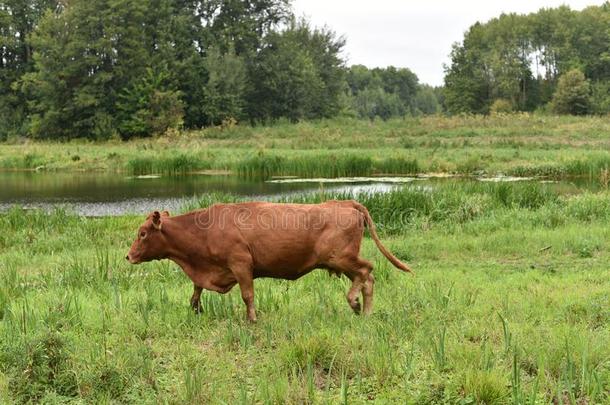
(519, 144)
(179, 164)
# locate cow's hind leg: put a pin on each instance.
(367, 294)
(359, 271)
(364, 269)
(353, 295)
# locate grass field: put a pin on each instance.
(516, 144)
(510, 304)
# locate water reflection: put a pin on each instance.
(97, 194)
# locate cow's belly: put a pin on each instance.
(212, 278)
(291, 257)
(285, 274)
(285, 253)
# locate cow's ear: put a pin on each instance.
(165, 213)
(156, 220)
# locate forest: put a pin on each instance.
(130, 68)
(556, 60)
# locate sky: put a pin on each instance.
(413, 34)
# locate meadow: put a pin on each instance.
(510, 304)
(513, 144)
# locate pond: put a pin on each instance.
(98, 194)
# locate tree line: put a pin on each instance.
(556, 59)
(103, 68)
(82, 68)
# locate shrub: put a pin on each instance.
(501, 106)
(572, 95)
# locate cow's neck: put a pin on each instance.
(181, 233)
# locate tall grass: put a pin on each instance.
(520, 144)
(323, 165)
(591, 166)
(180, 164)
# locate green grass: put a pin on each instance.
(518, 144)
(510, 304)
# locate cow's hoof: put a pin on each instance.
(356, 307)
(196, 307)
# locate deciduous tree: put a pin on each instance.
(573, 94)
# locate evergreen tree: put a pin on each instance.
(149, 107)
(18, 19)
(84, 56)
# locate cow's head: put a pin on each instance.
(150, 243)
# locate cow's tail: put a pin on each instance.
(371, 225)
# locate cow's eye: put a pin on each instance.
(142, 235)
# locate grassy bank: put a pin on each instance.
(511, 144)
(509, 305)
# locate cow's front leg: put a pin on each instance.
(196, 299)
(246, 285)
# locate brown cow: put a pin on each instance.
(230, 244)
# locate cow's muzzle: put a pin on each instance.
(131, 260)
